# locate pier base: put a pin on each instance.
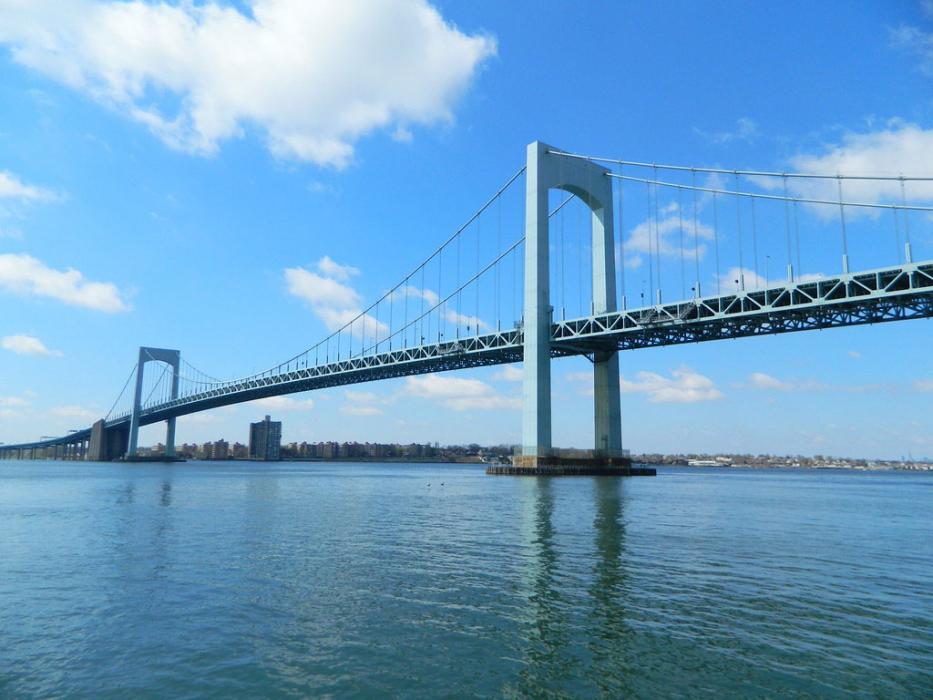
(554, 465)
(153, 458)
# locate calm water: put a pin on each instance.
(249, 580)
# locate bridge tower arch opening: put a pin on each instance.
(173, 359)
(548, 169)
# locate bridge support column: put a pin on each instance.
(171, 358)
(548, 169)
(536, 322)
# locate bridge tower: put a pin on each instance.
(547, 169)
(173, 359)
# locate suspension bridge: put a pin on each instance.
(586, 255)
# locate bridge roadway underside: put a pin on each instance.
(877, 296)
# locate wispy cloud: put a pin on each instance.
(767, 382)
(732, 279)
(458, 393)
(745, 130)
(283, 403)
(320, 291)
(73, 411)
(26, 276)
(351, 410)
(334, 270)
(13, 401)
(11, 187)
(361, 403)
(684, 385)
(26, 345)
(663, 236)
(509, 373)
(760, 380)
(333, 301)
(899, 148)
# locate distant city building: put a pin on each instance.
(265, 439)
(221, 449)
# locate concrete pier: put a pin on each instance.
(569, 465)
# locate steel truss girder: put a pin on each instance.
(869, 297)
(876, 296)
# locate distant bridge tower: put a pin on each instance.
(173, 359)
(589, 182)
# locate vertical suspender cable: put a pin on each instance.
(621, 218)
(515, 255)
(440, 292)
(842, 227)
(580, 259)
(680, 218)
(696, 234)
(738, 225)
(716, 238)
(657, 231)
(908, 255)
(563, 290)
(478, 279)
(897, 235)
(797, 237)
(650, 246)
(498, 253)
(790, 276)
(459, 290)
(755, 244)
(421, 317)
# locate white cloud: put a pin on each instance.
(320, 291)
(745, 130)
(24, 275)
(318, 187)
(72, 412)
(365, 326)
(510, 373)
(646, 238)
(409, 291)
(361, 410)
(26, 345)
(767, 382)
(360, 396)
(464, 320)
(327, 267)
(760, 380)
(312, 75)
(684, 386)
(359, 403)
(335, 303)
(854, 354)
(917, 41)
(923, 385)
(12, 187)
(283, 403)
(730, 280)
(458, 393)
(13, 402)
(898, 149)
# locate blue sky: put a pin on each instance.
(162, 166)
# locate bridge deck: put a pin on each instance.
(874, 296)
